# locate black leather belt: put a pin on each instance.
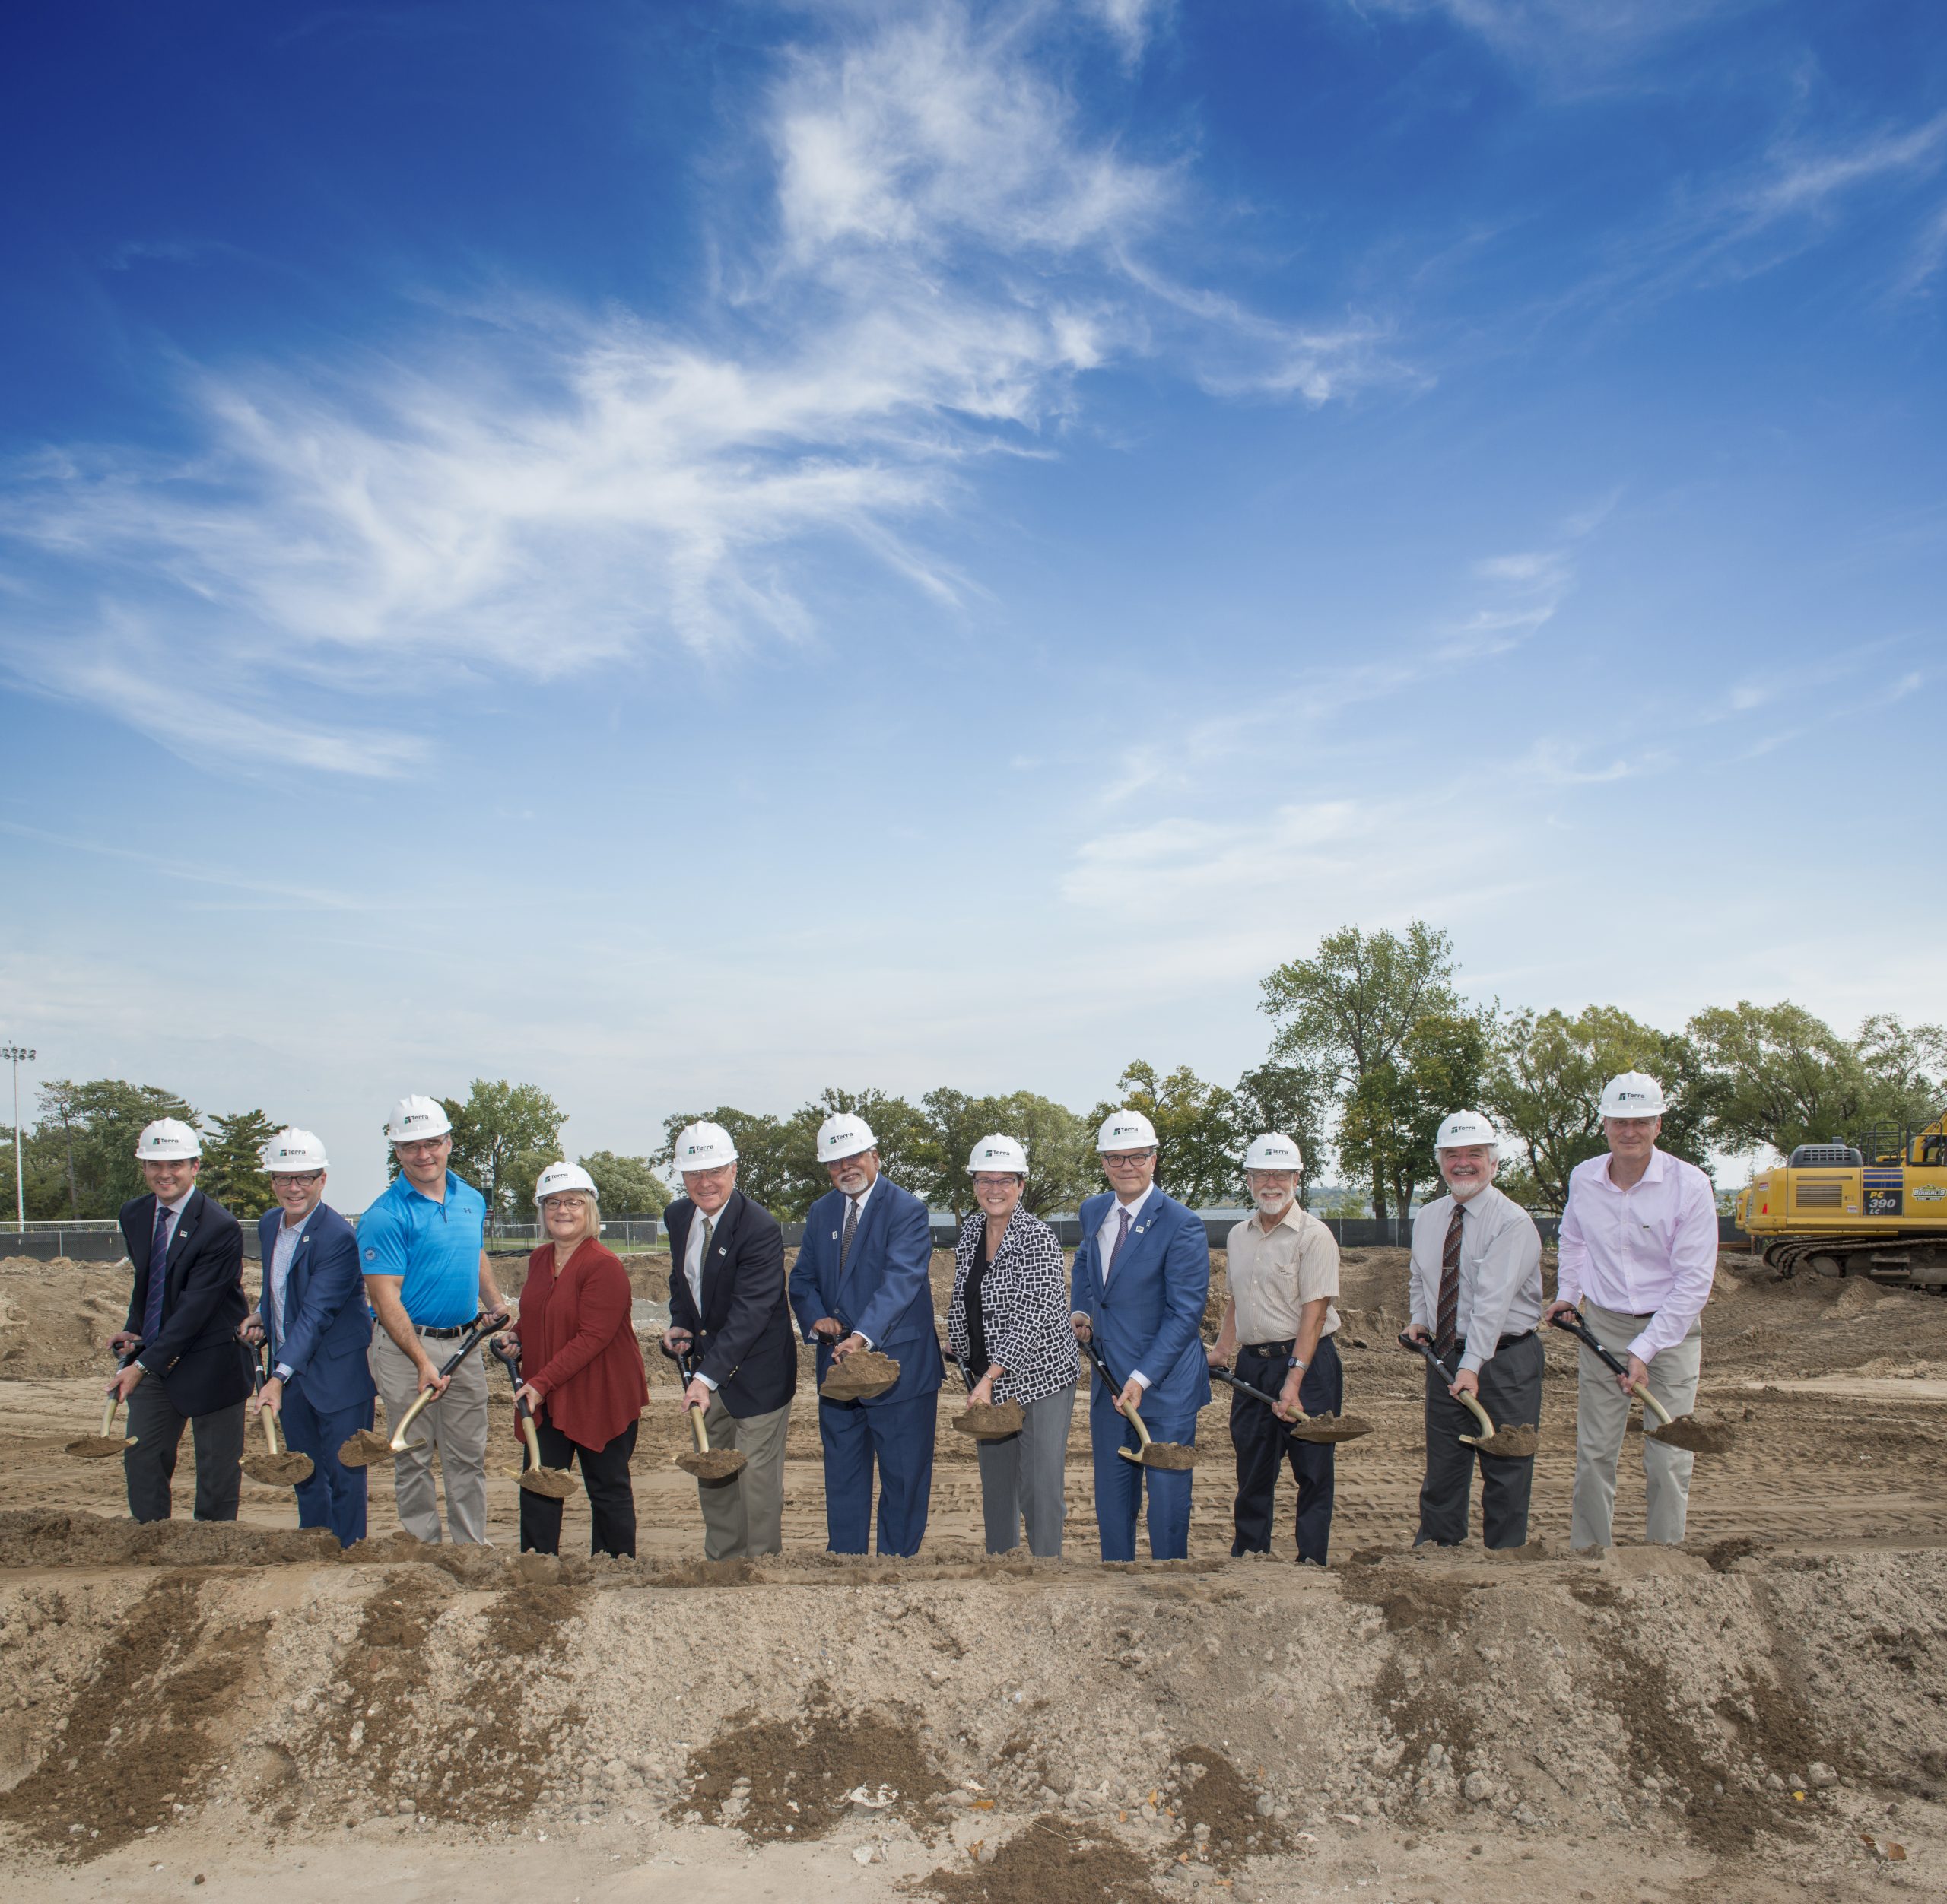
(1270, 1348)
(446, 1335)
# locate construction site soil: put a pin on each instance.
(1755, 1716)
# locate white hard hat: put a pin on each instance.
(1273, 1151)
(1126, 1131)
(168, 1140)
(844, 1136)
(1634, 1094)
(558, 1177)
(998, 1154)
(1465, 1128)
(415, 1119)
(294, 1153)
(703, 1146)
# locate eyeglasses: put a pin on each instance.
(995, 1183)
(294, 1180)
(1115, 1159)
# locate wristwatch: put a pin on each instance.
(1294, 1361)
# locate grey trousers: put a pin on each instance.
(455, 1426)
(744, 1517)
(1511, 1393)
(1021, 1478)
(149, 1466)
(1602, 1418)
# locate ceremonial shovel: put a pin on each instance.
(1678, 1431)
(1315, 1428)
(100, 1447)
(1152, 1454)
(368, 1446)
(555, 1482)
(1515, 1442)
(707, 1464)
(282, 1466)
(986, 1421)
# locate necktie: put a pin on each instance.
(1445, 1323)
(851, 1230)
(1116, 1248)
(703, 1257)
(158, 1272)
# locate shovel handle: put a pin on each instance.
(533, 1440)
(1574, 1325)
(1220, 1373)
(1440, 1368)
(700, 1431)
(412, 1415)
(114, 1401)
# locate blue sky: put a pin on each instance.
(692, 553)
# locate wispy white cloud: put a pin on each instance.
(1572, 40)
(539, 490)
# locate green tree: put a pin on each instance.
(767, 1173)
(1544, 1088)
(1292, 1098)
(1345, 1013)
(232, 1170)
(1061, 1160)
(1196, 1131)
(1776, 1075)
(504, 1136)
(1393, 1113)
(626, 1186)
(1906, 1069)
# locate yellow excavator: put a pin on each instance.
(1878, 1208)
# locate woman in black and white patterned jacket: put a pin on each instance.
(1007, 1322)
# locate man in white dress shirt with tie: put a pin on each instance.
(1476, 1296)
(1639, 1254)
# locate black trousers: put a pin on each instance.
(611, 1498)
(1511, 1392)
(1262, 1440)
(149, 1466)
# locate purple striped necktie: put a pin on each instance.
(1116, 1248)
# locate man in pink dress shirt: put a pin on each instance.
(1639, 1253)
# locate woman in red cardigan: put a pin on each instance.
(581, 1370)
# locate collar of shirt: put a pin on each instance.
(692, 1243)
(1653, 1172)
(293, 1230)
(1108, 1225)
(172, 1213)
(413, 1190)
(860, 1199)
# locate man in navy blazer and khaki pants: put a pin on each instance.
(185, 1311)
(313, 1313)
(861, 1282)
(1142, 1280)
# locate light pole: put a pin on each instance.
(16, 1053)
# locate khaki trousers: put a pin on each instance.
(744, 1517)
(455, 1426)
(1603, 1417)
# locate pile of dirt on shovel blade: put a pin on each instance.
(863, 1373)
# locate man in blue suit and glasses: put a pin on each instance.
(861, 1282)
(1141, 1279)
(313, 1312)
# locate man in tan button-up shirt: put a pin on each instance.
(1280, 1323)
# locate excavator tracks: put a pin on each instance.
(1915, 1263)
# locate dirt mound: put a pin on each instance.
(801, 1777)
(29, 1538)
(56, 1317)
(1050, 1861)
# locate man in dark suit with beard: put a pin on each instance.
(185, 1308)
(727, 1304)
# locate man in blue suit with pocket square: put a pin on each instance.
(861, 1282)
(1142, 1280)
(313, 1313)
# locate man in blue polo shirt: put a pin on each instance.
(422, 1246)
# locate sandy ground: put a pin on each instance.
(246, 1706)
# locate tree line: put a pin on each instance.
(1372, 1045)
